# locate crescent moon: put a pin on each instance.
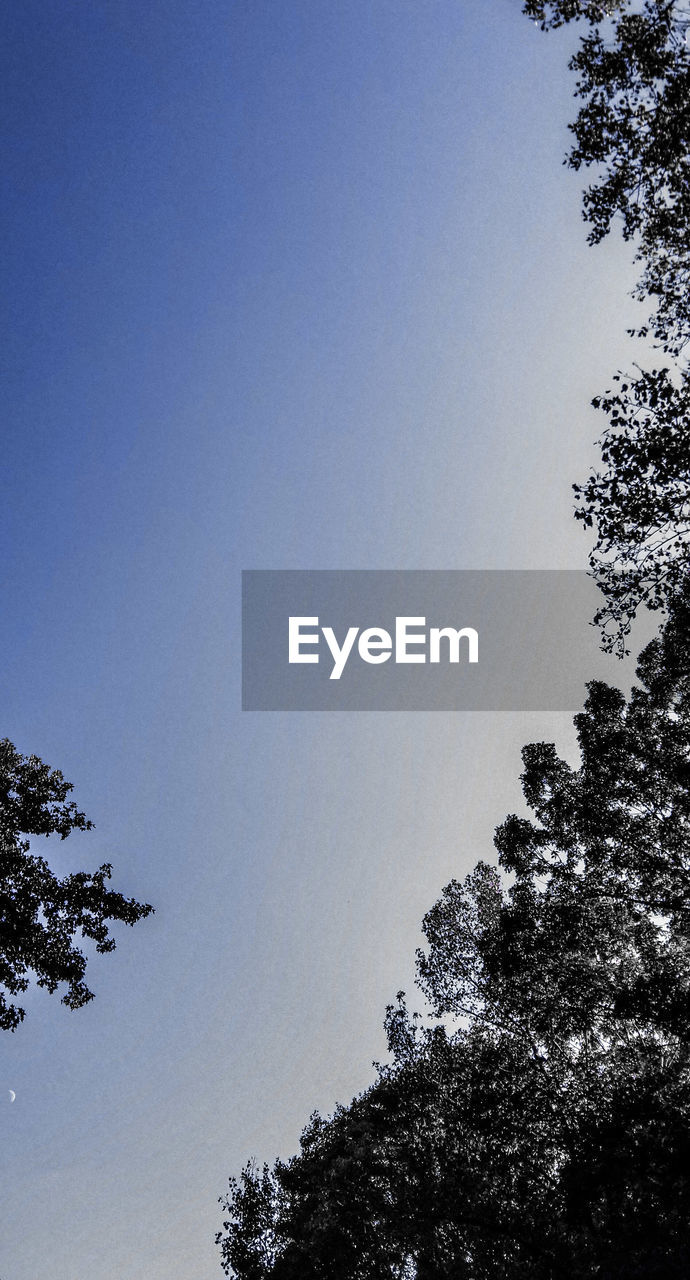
(12, 1095)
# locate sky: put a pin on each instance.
(287, 285)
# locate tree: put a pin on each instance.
(634, 127)
(41, 914)
(416, 1178)
(555, 13)
(537, 1123)
(633, 131)
(542, 1127)
(640, 502)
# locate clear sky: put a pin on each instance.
(288, 284)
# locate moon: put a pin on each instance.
(12, 1095)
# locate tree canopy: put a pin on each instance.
(41, 914)
(632, 131)
(555, 13)
(538, 1124)
(640, 501)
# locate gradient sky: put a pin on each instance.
(289, 284)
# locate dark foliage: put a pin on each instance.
(634, 127)
(640, 500)
(555, 13)
(542, 1128)
(633, 132)
(41, 914)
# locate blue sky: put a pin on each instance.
(288, 285)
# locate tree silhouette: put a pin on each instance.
(640, 501)
(536, 1123)
(542, 1127)
(41, 914)
(633, 131)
